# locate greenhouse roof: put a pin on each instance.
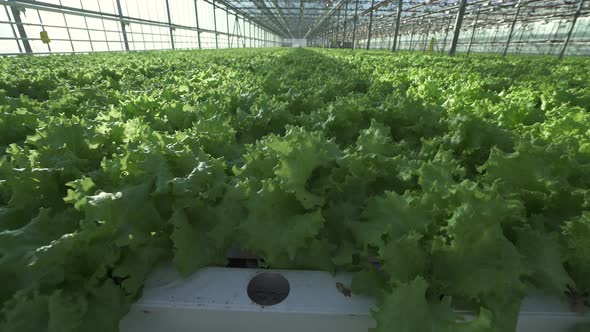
(301, 19)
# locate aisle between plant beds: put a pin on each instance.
(226, 299)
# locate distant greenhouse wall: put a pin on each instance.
(74, 26)
(535, 38)
(550, 27)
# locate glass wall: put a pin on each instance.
(74, 26)
(549, 27)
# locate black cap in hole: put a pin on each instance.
(268, 288)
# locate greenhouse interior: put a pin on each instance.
(295, 165)
(554, 27)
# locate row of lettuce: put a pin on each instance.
(466, 178)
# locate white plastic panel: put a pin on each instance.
(215, 300)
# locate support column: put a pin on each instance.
(426, 42)
(458, 23)
(512, 28)
(334, 32)
(390, 40)
(123, 28)
(229, 37)
(198, 28)
(370, 25)
(85, 24)
(331, 31)
(356, 8)
(344, 27)
(519, 46)
(16, 36)
(446, 34)
(473, 32)
(569, 33)
(337, 27)
(550, 51)
(410, 48)
(215, 26)
(495, 35)
(398, 18)
(103, 28)
(243, 31)
(170, 25)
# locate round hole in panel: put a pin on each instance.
(268, 288)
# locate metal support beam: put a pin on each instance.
(398, 18)
(389, 40)
(555, 34)
(85, 23)
(519, 46)
(426, 36)
(458, 22)
(14, 32)
(197, 19)
(569, 33)
(238, 30)
(21, 29)
(247, 13)
(473, 32)
(412, 36)
(123, 28)
(322, 19)
(281, 17)
(229, 37)
(446, 34)
(355, 19)
(344, 27)
(215, 26)
(337, 27)
(270, 16)
(512, 28)
(103, 27)
(170, 22)
(495, 35)
(332, 31)
(300, 18)
(370, 26)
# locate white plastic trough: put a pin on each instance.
(216, 300)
